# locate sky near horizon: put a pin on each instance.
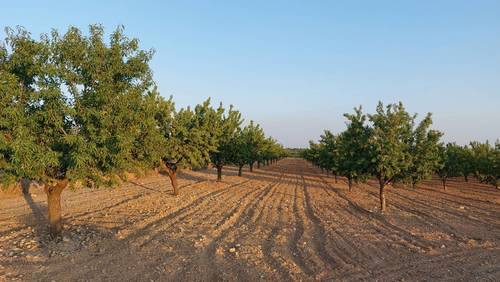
(296, 66)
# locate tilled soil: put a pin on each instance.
(286, 221)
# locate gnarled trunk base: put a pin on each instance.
(382, 196)
(219, 173)
(172, 174)
(54, 207)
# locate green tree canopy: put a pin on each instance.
(247, 146)
(69, 109)
(389, 143)
(486, 162)
(353, 148)
(189, 137)
(228, 128)
(424, 152)
(449, 162)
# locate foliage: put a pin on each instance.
(83, 109)
(188, 134)
(449, 165)
(353, 147)
(75, 99)
(229, 128)
(486, 162)
(389, 142)
(391, 148)
(424, 151)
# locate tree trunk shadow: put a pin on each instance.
(38, 217)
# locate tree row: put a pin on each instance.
(391, 146)
(83, 110)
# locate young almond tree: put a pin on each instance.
(189, 137)
(466, 161)
(254, 139)
(312, 153)
(486, 162)
(271, 151)
(239, 152)
(329, 153)
(246, 146)
(390, 154)
(229, 128)
(353, 147)
(424, 150)
(449, 162)
(80, 137)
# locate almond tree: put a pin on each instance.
(390, 154)
(353, 148)
(312, 153)
(466, 161)
(449, 162)
(329, 153)
(424, 151)
(229, 128)
(271, 151)
(80, 137)
(239, 152)
(486, 162)
(188, 137)
(253, 137)
(246, 146)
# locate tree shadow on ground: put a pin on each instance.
(37, 219)
(184, 175)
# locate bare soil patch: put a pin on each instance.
(282, 222)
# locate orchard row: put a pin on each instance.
(81, 110)
(391, 146)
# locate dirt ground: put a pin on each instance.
(285, 222)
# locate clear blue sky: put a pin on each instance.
(296, 66)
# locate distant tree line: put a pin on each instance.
(391, 146)
(80, 110)
(295, 152)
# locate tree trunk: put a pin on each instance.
(466, 178)
(444, 184)
(336, 180)
(240, 169)
(172, 174)
(349, 179)
(258, 164)
(219, 173)
(251, 167)
(54, 206)
(382, 195)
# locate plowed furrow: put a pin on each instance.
(387, 228)
(208, 260)
(297, 254)
(271, 253)
(319, 238)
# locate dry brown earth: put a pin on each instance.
(283, 222)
